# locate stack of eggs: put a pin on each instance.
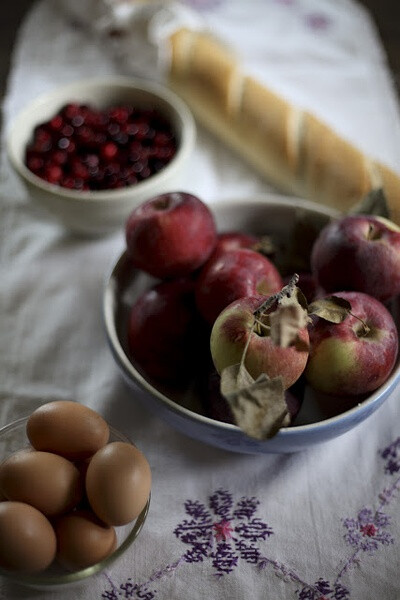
(64, 494)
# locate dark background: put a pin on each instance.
(385, 12)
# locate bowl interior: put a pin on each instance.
(13, 438)
(290, 223)
(100, 94)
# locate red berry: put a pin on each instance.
(109, 151)
(53, 173)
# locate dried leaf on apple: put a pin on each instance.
(258, 406)
(331, 308)
(265, 246)
(286, 321)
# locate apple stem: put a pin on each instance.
(259, 325)
(366, 329)
(287, 290)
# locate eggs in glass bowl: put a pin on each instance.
(75, 494)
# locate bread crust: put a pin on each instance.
(293, 149)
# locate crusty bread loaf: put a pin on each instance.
(292, 148)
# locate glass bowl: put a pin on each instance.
(13, 438)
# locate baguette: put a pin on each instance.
(290, 147)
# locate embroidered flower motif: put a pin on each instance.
(317, 21)
(129, 590)
(204, 4)
(366, 532)
(391, 455)
(323, 590)
(223, 532)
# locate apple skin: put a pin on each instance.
(342, 361)
(164, 333)
(358, 253)
(170, 235)
(229, 337)
(234, 274)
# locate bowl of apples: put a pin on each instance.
(257, 325)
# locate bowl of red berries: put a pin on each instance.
(90, 151)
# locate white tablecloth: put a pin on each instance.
(318, 524)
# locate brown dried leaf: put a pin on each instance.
(374, 203)
(259, 407)
(265, 246)
(287, 320)
(332, 308)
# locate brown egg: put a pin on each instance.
(49, 482)
(118, 482)
(67, 428)
(27, 539)
(83, 540)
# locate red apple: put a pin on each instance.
(359, 253)
(234, 274)
(347, 358)
(170, 235)
(229, 337)
(163, 331)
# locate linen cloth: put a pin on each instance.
(323, 523)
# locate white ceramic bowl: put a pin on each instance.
(266, 215)
(13, 438)
(99, 212)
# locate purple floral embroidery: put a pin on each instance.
(224, 532)
(366, 532)
(322, 590)
(392, 456)
(204, 4)
(317, 21)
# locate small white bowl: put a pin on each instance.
(273, 215)
(104, 211)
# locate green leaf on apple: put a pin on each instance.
(331, 308)
(374, 203)
(258, 406)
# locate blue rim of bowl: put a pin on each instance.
(293, 432)
(43, 580)
(186, 142)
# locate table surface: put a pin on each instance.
(343, 495)
(385, 12)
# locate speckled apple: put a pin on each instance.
(229, 337)
(345, 359)
(233, 274)
(170, 235)
(361, 253)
